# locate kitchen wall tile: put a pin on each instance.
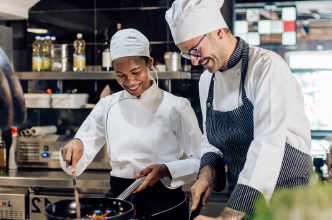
(64, 25)
(150, 22)
(131, 3)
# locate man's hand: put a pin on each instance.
(72, 152)
(155, 173)
(204, 184)
(226, 214)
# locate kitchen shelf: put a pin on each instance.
(95, 75)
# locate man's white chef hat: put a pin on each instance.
(129, 42)
(188, 19)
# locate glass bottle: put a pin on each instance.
(53, 39)
(37, 59)
(79, 54)
(3, 158)
(47, 53)
(106, 56)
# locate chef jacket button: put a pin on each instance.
(209, 105)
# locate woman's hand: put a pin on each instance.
(72, 152)
(155, 173)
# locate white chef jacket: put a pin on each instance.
(279, 115)
(154, 129)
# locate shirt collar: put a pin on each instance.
(236, 56)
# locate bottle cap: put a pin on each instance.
(79, 36)
(47, 37)
(42, 38)
(53, 38)
(49, 91)
(37, 37)
(13, 131)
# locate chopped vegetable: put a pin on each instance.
(95, 216)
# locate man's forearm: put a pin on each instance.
(232, 214)
(207, 171)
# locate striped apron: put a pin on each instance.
(233, 131)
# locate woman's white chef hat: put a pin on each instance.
(188, 19)
(129, 42)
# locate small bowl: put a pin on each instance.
(160, 67)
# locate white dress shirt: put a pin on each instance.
(154, 129)
(279, 115)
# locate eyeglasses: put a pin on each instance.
(193, 52)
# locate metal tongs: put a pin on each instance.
(125, 194)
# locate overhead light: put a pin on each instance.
(37, 30)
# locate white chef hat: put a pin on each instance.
(188, 19)
(129, 42)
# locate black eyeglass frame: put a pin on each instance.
(193, 52)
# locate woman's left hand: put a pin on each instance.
(154, 173)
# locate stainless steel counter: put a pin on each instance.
(94, 75)
(42, 187)
(59, 179)
(55, 179)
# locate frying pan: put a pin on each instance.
(64, 209)
(117, 209)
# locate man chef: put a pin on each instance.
(253, 111)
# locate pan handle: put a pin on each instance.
(125, 194)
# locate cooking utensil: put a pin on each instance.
(12, 109)
(117, 209)
(78, 210)
(66, 209)
(125, 194)
(196, 212)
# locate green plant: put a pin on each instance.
(312, 203)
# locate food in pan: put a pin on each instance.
(94, 216)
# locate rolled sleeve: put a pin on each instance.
(244, 198)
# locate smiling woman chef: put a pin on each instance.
(146, 131)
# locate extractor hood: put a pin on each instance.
(15, 9)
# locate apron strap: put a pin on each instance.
(244, 68)
(209, 100)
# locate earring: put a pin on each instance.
(221, 37)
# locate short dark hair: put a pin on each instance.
(146, 59)
(227, 31)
